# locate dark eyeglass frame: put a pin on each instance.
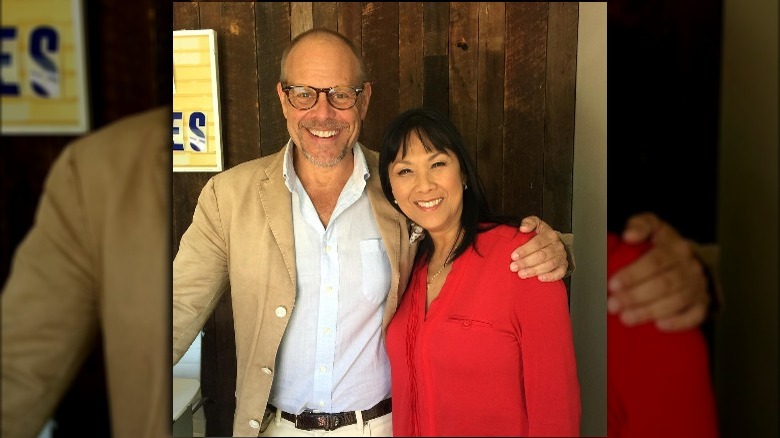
(326, 90)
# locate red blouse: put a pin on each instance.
(493, 356)
(658, 383)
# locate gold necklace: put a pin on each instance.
(446, 260)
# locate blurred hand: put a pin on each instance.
(543, 256)
(666, 285)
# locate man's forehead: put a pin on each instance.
(322, 43)
(321, 71)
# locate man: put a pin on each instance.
(341, 255)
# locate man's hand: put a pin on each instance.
(667, 284)
(543, 256)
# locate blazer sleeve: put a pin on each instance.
(200, 271)
(568, 244)
(549, 367)
(49, 303)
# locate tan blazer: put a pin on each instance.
(242, 237)
(96, 260)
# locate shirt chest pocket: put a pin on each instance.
(376, 270)
(469, 322)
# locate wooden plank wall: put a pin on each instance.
(504, 73)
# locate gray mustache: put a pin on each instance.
(327, 125)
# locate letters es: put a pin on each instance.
(196, 122)
(43, 69)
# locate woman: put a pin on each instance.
(474, 350)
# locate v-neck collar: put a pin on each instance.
(448, 288)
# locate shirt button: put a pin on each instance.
(327, 248)
(322, 403)
(323, 368)
(329, 290)
(266, 370)
(254, 424)
(326, 330)
(281, 311)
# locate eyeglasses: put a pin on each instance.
(304, 97)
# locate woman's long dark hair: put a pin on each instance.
(436, 132)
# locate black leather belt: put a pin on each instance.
(308, 420)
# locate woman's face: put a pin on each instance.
(428, 187)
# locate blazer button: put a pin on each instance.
(281, 311)
(254, 424)
(266, 370)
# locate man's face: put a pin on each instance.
(324, 134)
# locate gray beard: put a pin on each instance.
(330, 163)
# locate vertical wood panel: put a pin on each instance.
(224, 363)
(436, 16)
(436, 64)
(350, 22)
(186, 16)
(380, 53)
(325, 14)
(410, 55)
(235, 26)
(301, 18)
(463, 48)
(526, 45)
(559, 118)
(490, 102)
(123, 68)
(272, 21)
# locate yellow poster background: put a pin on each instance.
(196, 91)
(28, 113)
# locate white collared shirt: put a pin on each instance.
(332, 357)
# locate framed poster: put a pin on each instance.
(197, 143)
(43, 84)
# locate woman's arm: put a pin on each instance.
(549, 368)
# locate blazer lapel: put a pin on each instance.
(277, 200)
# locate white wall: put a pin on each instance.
(746, 353)
(189, 365)
(48, 429)
(589, 218)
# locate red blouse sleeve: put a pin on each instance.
(549, 367)
(658, 383)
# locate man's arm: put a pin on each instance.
(548, 255)
(200, 274)
(49, 304)
(669, 284)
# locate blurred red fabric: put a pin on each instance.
(658, 383)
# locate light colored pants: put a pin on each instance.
(382, 426)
